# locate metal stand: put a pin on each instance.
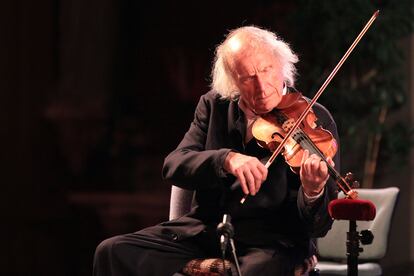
(226, 231)
(236, 261)
(353, 248)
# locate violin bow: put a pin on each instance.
(318, 94)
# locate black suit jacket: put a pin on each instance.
(277, 215)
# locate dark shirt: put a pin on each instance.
(278, 214)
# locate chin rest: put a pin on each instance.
(352, 209)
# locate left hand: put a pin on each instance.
(313, 173)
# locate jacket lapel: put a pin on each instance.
(236, 125)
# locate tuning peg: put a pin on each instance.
(355, 184)
(349, 177)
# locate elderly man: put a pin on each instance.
(220, 160)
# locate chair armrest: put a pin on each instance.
(180, 202)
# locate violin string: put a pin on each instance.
(314, 149)
(333, 171)
(308, 144)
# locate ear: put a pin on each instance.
(284, 91)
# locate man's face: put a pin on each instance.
(259, 77)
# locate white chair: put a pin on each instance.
(180, 202)
(333, 246)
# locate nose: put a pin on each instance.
(261, 85)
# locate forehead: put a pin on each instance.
(253, 59)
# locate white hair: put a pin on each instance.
(222, 78)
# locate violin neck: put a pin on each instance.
(307, 144)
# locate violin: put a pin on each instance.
(298, 133)
(270, 129)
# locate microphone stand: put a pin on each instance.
(226, 231)
(236, 262)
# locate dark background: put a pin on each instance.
(94, 94)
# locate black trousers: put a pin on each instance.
(152, 251)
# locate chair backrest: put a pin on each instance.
(333, 245)
(180, 202)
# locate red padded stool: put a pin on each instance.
(353, 210)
